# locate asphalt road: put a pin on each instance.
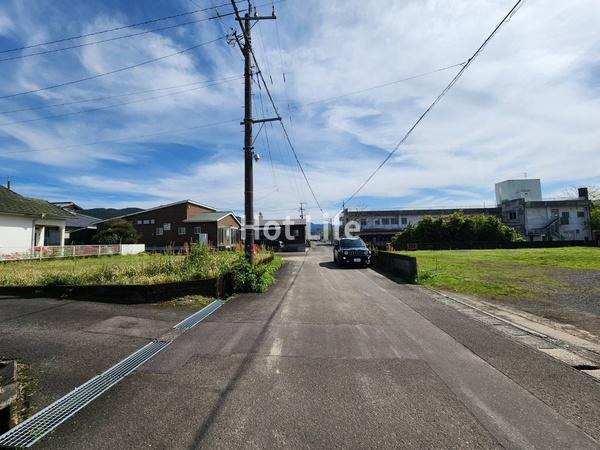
(341, 358)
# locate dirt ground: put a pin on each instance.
(573, 297)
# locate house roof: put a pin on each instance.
(159, 207)
(68, 205)
(424, 212)
(82, 221)
(279, 222)
(211, 217)
(13, 203)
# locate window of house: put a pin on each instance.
(394, 221)
(580, 214)
(564, 218)
(377, 222)
(404, 221)
(363, 222)
(167, 226)
(554, 212)
(512, 215)
(385, 221)
(576, 231)
(146, 222)
(197, 230)
(159, 232)
(139, 222)
(152, 221)
(181, 231)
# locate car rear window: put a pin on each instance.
(352, 243)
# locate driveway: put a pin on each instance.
(335, 358)
(67, 342)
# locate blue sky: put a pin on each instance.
(530, 103)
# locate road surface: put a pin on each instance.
(341, 358)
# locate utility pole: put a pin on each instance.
(246, 25)
(302, 209)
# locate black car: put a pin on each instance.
(351, 251)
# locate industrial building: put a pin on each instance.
(519, 204)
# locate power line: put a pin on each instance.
(379, 86)
(143, 63)
(147, 91)
(285, 132)
(439, 97)
(113, 141)
(140, 33)
(101, 108)
(265, 138)
(95, 33)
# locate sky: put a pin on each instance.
(170, 130)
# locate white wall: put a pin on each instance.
(529, 189)
(540, 217)
(132, 249)
(16, 232)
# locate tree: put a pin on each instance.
(595, 216)
(457, 228)
(116, 231)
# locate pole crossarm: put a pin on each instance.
(273, 119)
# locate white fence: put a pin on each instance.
(68, 251)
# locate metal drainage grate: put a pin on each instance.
(37, 426)
(198, 317)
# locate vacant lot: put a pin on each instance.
(558, 283)
(137, 269)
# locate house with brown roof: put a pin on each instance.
(174, 225)
(29, 222)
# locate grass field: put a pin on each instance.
(515, 273)
(135, 269)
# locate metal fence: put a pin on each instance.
(68, 251)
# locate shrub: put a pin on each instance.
(254, 279)
(456, 228)
(116, 231)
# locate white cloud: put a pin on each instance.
(529, 103)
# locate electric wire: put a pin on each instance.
(378, 86)
(93, 77)
(126, 94)
(140, 33)
(452, 82)
(285, 133)
(116, 105)
(123, 27)
(124, 139)
(275, 109)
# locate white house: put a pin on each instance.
(27, 222)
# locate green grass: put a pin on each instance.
(136, 269)
(514, 273)
(188, 301)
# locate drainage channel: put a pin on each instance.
(40, 424)
(198, 317)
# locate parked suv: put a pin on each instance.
(351, 251)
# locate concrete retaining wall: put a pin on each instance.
(128, 294)
(402, 266)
